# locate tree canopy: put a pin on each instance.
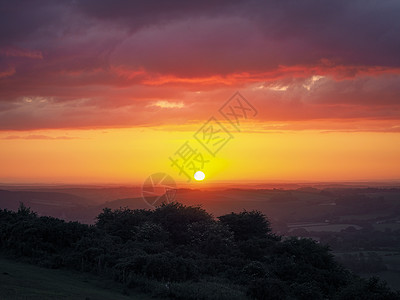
(183, 252)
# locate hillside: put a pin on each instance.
(361, 225)
(182, 252)
(24, 281)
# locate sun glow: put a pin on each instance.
(199, 176)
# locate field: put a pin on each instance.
(385, 226)
(323, 227)
(392, 262)
(24, 281)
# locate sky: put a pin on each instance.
(113, 91)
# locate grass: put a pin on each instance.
(23, 281)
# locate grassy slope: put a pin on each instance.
(24, 281)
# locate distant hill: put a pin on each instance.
(92, 195)
(305, 204)
(61, 205)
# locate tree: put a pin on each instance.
(25, 211)
(175, 218)
(122, 222)
(371, 289)
(247, 225)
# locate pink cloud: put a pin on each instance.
(15, 52)
(102, 64)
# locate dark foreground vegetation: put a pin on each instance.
(23, 281)
(182, 252)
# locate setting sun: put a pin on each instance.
(113, 112)
(199, 176)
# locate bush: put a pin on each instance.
(268, 289)
(205, 290)
(247, 225)
(181, 252)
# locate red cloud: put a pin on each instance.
(15, 52)
(92, 64)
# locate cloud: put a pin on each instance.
(74, 64)
(309, 84)
(37, 137)
(168, 104)
(8, 72)
(15, 52)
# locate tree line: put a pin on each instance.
(183, 252)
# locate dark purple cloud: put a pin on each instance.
(103, 63)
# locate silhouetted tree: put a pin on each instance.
(176, 249)
(247, 225)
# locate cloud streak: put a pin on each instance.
(37, 137)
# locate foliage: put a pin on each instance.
(247, 225)
(182, 252)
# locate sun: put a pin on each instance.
(199, 176)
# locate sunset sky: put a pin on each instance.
(108, 91)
